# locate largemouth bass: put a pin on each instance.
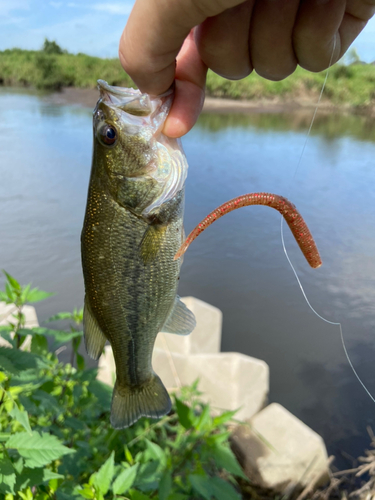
(132, 229)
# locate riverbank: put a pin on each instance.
(347, 86)
(219, 105)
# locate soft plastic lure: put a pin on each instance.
(291, 215)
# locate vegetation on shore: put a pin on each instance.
(52, 68)
(56, 441)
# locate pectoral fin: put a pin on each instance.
(151, 242)
(181, 320)
(94, 337)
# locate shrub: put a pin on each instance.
(55, 436)
(51, 47)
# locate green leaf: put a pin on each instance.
(225, 459)
(47, 402)
(39, 344)
(48, 475)
(16, 360)
(86, 492)
(66, 491)
(18, 465)
(5, 329)
(3, 296)
(80, 362)
(125, 480)
(217, 439)
(222, 490)
(7, 475)
(12, 297)
(7, 365)
(60, 316)
(60, 336)
(224, 417)
(35, 477)
(37, 449)
(148, 476)
(204, 419)
(165, 485)
(36, 295)
(104, 476)
(103, 392)
(185, 414)
(25, 291)
(12, 281)
(5, 333)
(137, 495)
(202, 485)
(128, 455)
(154, 452)
(22, 417)
(75, 423)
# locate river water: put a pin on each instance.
(238, 264)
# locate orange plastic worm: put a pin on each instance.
(291, 215)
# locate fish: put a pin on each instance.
(133, 227)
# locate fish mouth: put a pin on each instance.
(143, 116)
(133, 101)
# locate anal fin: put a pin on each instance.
(93, 335)
(181, 320)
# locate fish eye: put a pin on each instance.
(108, 135)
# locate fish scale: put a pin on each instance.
(128, 248)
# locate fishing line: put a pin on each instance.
(171, 362)
(283, 242)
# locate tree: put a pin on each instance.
(51, 47)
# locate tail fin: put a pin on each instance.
(129, 404)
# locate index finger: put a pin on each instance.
(154, 34)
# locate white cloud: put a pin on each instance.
(12, 20)
(114, 8)
(6, 6)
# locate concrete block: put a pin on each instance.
(229, 381)
(206, 336)
(277, 450)
(166, 365)
(31, 321)
(170, 367)
(107, 367)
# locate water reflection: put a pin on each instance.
(330, 126)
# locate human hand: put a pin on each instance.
(232, 37)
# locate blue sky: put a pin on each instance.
(92, 27)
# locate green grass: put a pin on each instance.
(353, 85)
(45, 69)
(53, 71)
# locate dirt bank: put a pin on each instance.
(88, 98)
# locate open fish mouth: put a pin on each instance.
(133, 101)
